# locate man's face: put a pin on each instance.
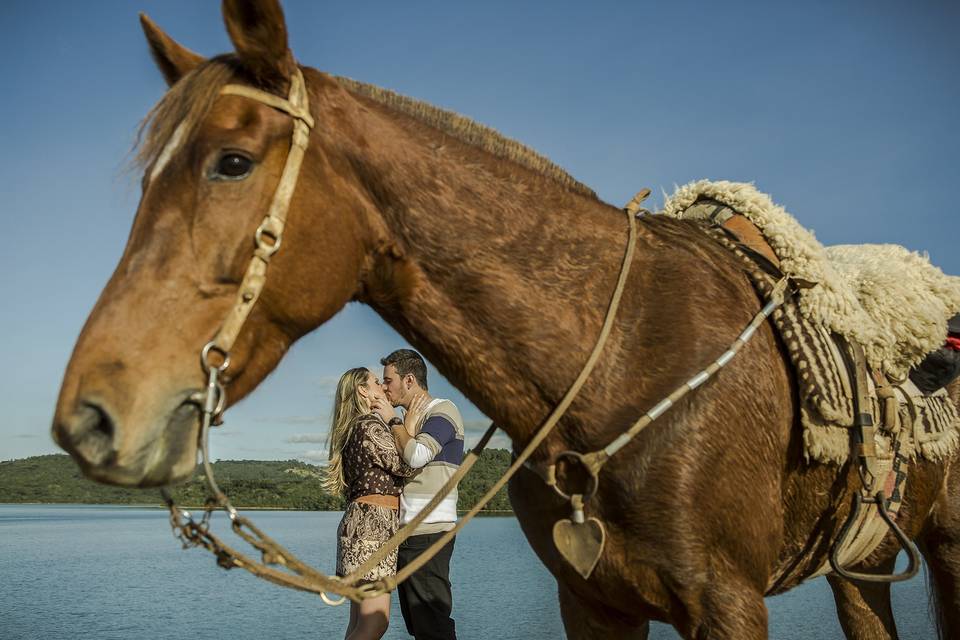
(393, 386)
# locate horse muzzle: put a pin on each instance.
(109, 451)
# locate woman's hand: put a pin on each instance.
(383, 409)
(414, 414)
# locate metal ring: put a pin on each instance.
(221, 403)
(592, 483)
(205, 357)
(268, 249)
(372, 589)
(333, 603)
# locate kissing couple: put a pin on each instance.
(388, 468)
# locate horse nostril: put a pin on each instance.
(99, 420)
(88, 434)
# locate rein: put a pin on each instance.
(215, 359)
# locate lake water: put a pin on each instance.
(116, 572)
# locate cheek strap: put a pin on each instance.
(270, 232)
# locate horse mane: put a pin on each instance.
(191, 97)
(468, 131)
(187, 102)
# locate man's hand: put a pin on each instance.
(414, 414)
(402, 434)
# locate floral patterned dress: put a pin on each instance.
(371, 464)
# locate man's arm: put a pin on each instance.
(419, 450)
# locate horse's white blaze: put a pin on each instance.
(168, 150)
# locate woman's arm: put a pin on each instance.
(380, 446)
(388, 414)
(406, 430)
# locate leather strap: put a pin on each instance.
(270, 232)
(749, 235)
(887, 396)
(863, 422)
(296, 107)
(381, 500)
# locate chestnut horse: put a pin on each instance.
(499, 268)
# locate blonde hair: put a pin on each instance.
(348, 405)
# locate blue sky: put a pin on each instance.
(844, 111)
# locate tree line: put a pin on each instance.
(262, 484)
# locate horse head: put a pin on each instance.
(127, 410)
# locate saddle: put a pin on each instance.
(816, 329)
(870, 368)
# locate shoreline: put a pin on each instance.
(491, 513)
(133, 505)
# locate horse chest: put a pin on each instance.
(624, 578)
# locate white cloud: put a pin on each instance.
(292, 420)
(474, 430)
(313, 438)
(314, 455)
(500, 440)
(327, 384)
(478, 426)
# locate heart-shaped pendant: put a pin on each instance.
(580, 543)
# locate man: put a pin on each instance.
(437, 448)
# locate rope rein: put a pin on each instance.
(296, 574)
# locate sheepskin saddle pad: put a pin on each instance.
(891, 301)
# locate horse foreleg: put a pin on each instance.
(730, 609)
(864, 607)
(584, 620)
(940, 544)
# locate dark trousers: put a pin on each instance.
(425, 597)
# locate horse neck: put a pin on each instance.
(498, 275)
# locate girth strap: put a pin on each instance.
(863, 421)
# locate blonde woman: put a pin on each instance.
(366, 468)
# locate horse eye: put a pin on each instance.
(233, 166)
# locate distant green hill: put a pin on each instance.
(287, 484)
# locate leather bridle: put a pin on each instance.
(215, 359)
(215, 355)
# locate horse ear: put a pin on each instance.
(174, 60)
(259, 35)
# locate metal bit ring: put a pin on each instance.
(205, 358)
